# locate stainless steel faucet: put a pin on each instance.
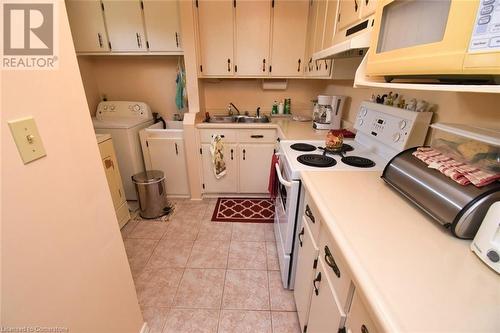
(230, 108)
(258, 112)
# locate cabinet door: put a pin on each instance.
(289, 37)
(349, 12)
(368, 7)
(114, 180)
(330, 22)
(325, 315)
(87, 26)
(161, 18)
(253, 21)
(125, 26)
(306, 268)
(229, 182)
(215, 33)
(168, 156)
(319, 25)
(358, 320)
(255, 163)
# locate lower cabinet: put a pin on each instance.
(325, 313)
(358, 320)
(229, 182)
(255, 163)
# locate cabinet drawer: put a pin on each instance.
(359, 320)
(336, 269)
(257, 135)
(228, 135)
(312, 217)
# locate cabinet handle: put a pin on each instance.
(176, 149)
(366, 2)
(244, 156)
(317, 279)
(109, 164)
(326, 64)
(301, 233)
(263, 65)
(298, 66)
(355, 6)
(231, 154)
(256, 136)
(331, 261)
(228, 65)
(317, 67)
(309, 214)
(177, 39)
(364, 329)
(139, 41)
(99, 38)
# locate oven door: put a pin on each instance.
(422, 37)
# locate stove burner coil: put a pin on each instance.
(358, 161)
(303, 147)
(315, 160)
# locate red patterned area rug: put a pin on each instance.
(249, 210)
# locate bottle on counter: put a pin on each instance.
(288, 102)
(275, 108)
(281, 108)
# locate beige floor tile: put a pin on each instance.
(149, 229)
(238, 321)
(138, 253)
(182, 230)
(157, 286)
(252, 232)
(128, 228)
(209, 254)
(171, 253)
(272, 257)
(216, 231)
(191, 321)
(285, 322)
(246, 290)
(155, 317)
(247, 255)
(200, 288)
(281, 298)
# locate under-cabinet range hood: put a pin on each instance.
(351, 41)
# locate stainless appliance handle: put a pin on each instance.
(280, 177)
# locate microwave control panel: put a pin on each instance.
(486, 34)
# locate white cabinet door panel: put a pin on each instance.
(161, 18)
(229, 182)
(255, 165)
(125, 25)
(87, 26)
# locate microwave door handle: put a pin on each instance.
(280, 177)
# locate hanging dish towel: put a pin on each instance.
(273, 177)
(179, 89)
(217, 151)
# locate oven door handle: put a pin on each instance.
(280, 177)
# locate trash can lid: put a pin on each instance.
(149, 176)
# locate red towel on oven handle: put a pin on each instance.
(273, 178)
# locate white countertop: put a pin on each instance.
(415, 275)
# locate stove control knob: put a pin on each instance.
(402, 124)
(360, 122)
(364, 112)
(396, 137)
(136, 107)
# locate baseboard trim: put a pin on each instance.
(145, 328)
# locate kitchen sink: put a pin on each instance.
(237, 119)
(222, 119)
(248, 119)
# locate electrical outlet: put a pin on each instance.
(27, 139)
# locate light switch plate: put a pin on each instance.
(28, 140)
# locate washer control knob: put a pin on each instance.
(136, 107)
(402, 124)
(105, 107)
(112, 107)
(364, 112)
(396, 137)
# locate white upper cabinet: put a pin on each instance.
(349, 11)
(330, 22)
(368, 8)
(161, 18)
(253, 24)
(87, 26)
(125, 25)
(289, 37)
(215, 33)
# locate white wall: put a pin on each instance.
(63, 259)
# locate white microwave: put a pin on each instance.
(445, 39)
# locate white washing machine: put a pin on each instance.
(123, 120)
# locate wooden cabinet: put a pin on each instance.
(316, 33)
(289, 37)
(255, 163)
(358, 320)
(349, 13)
(125, 25)
(306, 268)
(215, 34)
(325, 313)
(114, 180)
(368, 7)
(332, 7)
(168, 155)
(161, 19)
(253, 24)
(87, 26)
(229, 182)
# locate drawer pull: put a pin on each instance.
(232, 154)
(317, 279)
(331, 261)
(309, 214)
(301, 233)
(256, 136)
(364, 329)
